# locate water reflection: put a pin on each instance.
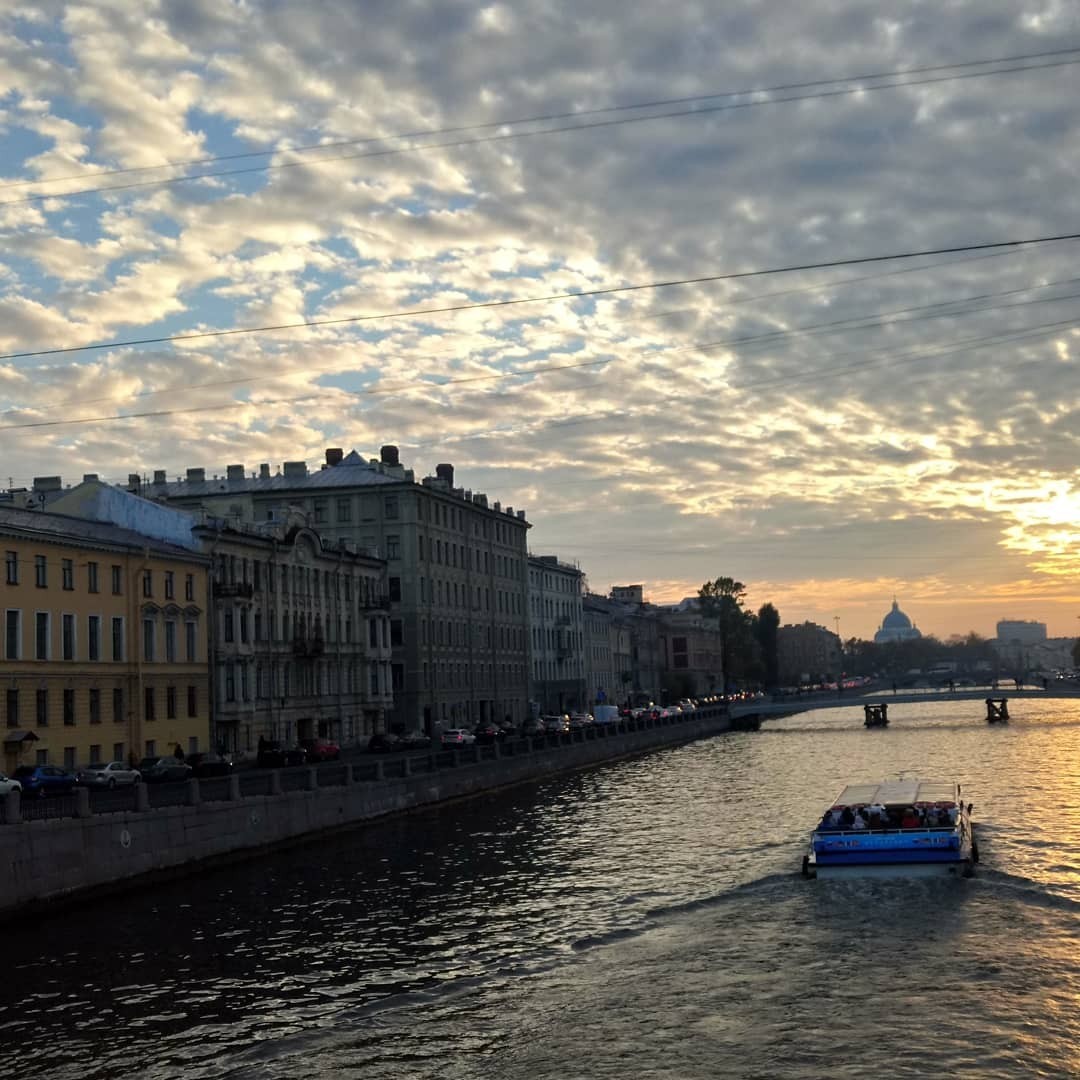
(670, 878)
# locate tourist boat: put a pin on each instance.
(926, 831)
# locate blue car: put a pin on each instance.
(42, 780)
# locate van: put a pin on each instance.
(605, 714)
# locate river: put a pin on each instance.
(645, 919)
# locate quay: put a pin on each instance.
(57, 860)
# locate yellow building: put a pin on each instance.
(104, 648)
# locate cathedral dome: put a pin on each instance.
(896, 619)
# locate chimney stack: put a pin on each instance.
(196, 476)
(388, 455)
(445, 472)
(334, 455)
(234, 472)
(264, 471)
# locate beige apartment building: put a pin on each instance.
(104, 650)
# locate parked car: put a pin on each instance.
(580, 720)
(43, 780)
(385, 742)
(556, 725)
(273, 754)
(159, 770)
(207, 763)
(488, 733)
(108, 774)
(416, 740)
(7, 785)
(533, 726)
(321, 749)
(458, 737)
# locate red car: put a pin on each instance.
(321, 749)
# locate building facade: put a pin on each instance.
(105, 642)
(557, 636)
(690, 646)
(807, 653)
(456, 577)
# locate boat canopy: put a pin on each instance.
(899, 793)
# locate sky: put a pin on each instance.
(831, 437)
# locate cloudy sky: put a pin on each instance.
(830, 437)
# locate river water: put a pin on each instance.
(644, 919)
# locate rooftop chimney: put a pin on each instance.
(264, 471)
(159, 476)
(445, 472)
(234, 472)
(196, 476)
(90, 476)
(55, 483)
(295, 470)
(388, 455)
(334, 455)
(134, 481)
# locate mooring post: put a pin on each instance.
(876, 715)
(997, 711)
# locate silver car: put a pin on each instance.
(108, 774)
(8, 785)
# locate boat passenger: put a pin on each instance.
(858, 822)
(877, 814)
(847, 818)
(952, 815)
(911, 819)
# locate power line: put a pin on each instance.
(702, 110)
(545, 298)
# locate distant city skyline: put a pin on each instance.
(366, 235)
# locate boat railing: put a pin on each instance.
(886, 832)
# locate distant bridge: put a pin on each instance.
(789, 706)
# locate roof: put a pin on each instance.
(896, 619)
(62, 528)
(346, 474)
(899, 793)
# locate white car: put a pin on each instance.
(108, 774)
(7, 785)
(458, 736)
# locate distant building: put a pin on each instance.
(1020, 632)
(807, 652)
(896, 626)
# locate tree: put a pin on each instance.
(1076, 652)
(721, 601)
(765, 630)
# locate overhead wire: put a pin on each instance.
(583, 294)
(702, 110)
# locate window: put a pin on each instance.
(230, 683)
(170, 585)
(41, 635)
(319, 511)
(117, 581)
(95, 706)
(93, 637)
(11, 564)
(69, 708)
(373, 633)
(393, 547)
(12, 634)
(148, 583)
(189, 586)
(193, 744)
(170, 702)
(397, 637)
(118, 705)
(12, 707)
(170, 642)
(190, 635)
(68, 636)
(41, 708)
(344, 510)
(230, 632)
(69, 757)
(243, 613)
(148, 640)
(118, 751)
(91, 577)
(95, 753)
(41, 572)
(118, 638)
(148, 706)
(390, 507)
(67, 574)
(395, 589)
(192, 701)
(258, 636)
(151, 748)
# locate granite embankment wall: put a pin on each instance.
(49, 861)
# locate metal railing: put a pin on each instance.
(369, 769)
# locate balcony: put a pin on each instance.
(376, 603)
(242, 590)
